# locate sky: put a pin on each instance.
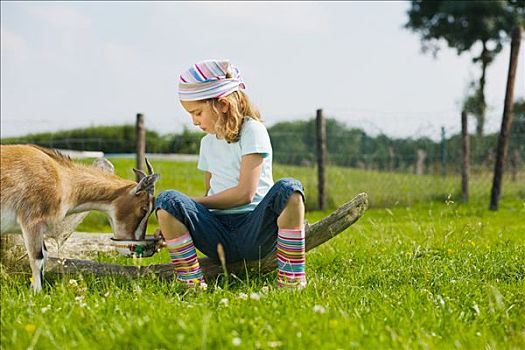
(66, 65)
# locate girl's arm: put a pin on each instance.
(243, 193)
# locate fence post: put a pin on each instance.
(420, 162)
(140, 133)
(391, 156)
(443, 152)
(515, 163)
(506, 121)
(321, 158)
(466, 149)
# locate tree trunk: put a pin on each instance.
(316, 235)
(485, 61)
(506, 122)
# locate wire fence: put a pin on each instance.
(392, 170)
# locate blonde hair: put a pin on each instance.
(228, 125)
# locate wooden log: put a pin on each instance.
(316, 234)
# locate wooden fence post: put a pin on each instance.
(515, 163)
(321, 158)
(443, 152)
(391, 158)
(141, 143)
(506, 122)
(465, 168)
(421, 155)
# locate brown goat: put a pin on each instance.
(40, 187)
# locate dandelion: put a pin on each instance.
(236, 341)
(319, 309)
(30, 328)
(265, 289)
(45, 309)
(255, 296)
(332, 323)
(243, 296)
(73, 282)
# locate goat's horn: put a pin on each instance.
(148, 164)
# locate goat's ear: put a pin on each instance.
(104, 164)
(147, 184)
(140, 174)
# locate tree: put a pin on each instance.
(463, 25)
(506, 121)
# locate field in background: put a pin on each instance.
(418, 271)
(385, 190)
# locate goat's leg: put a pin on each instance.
(36, 250)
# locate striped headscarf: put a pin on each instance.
(207, 79)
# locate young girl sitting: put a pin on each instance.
(242, 209)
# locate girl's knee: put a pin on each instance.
(169, 196)
(295, 200)
(163, 215)
(289, 185)
(172, 204)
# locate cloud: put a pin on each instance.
(60, 17)
(13, 45)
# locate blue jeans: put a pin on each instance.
(251, 235)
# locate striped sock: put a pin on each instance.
(290, 258)
(184, 257)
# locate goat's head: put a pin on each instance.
(133, 208)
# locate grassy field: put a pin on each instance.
(418, 271)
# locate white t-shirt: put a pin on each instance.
(223, 161)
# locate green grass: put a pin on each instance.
(419, 272)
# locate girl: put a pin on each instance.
(242, 209)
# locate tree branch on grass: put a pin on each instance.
(316, 234)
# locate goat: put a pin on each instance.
(40, 187)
